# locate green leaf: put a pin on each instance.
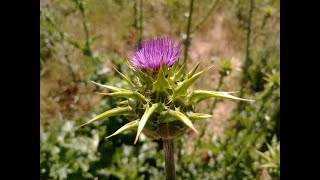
(132, 103)
(161, 84)
(180, 72)
(171, 115)
(75, 44)
(143, 78)
(198, 116)
(193, 70)
(166, 117)
(126, 94)
(264, 156)
(269, 165)
(128, 126)
(145, 117)
(182, 88)
(271, 150)
(126, 78)
(172, 70)
(185, 120)
(125, 102)
(111, 88)
(199, 95)
(112, 112)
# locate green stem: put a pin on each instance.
(135, 15)
(247, 58)
(140, 25)
(187, 41)
(168, 147)
(73, 75)
(213, 7)
(247, 62)
(218, 88)
(84, 21)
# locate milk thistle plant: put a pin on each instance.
(160, 102)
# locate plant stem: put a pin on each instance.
(81, 7)
(187, 40)
(247, 62)
(218, 88)
(140, 26)
(168, 147)
(135, 15)
(247, 58)
(213, 7)
(84, 21)
(73, 75)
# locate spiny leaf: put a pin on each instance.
(75, 43)
(199, 95)
(171, 115)
(112, 112)
(126, 78)
(185, 120)
(111, 88)
(263, 155)
(125, 102)
(126, 94)
(269, 165)
(143, 78)
(132, 103)
(126, 127)
(182, 88)
(272, 152)
(164, 68)
(166, 117)
(180, 72)
(161, 84)
(198, 116)
(172, 70)
(193, 70)
(145, 117)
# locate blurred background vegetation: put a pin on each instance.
(80, 40)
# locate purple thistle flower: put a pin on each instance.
(154, 53)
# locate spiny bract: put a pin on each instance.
(160, 103)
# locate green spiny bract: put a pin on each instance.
(160, 103)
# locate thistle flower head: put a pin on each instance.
(160, 104)
(154, 53)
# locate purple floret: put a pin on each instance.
(154, 53)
